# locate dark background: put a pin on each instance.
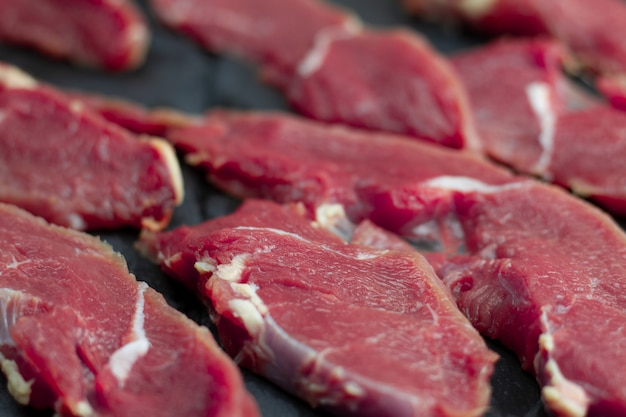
(181, 75)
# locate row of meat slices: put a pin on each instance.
(331, 69)
(506, 279)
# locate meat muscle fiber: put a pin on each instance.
(593, 30)
(527, 122)
(108, 34)
(351, 329)
(64, 163)
(522, 259)
(80, 334)
(333, 70)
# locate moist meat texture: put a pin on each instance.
(80, 334)
(65, 163)
(349, 328)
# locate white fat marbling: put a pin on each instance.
(314, 59)
(475, 9)
(539, 98)
(559, 393)
(233, 270)
(123, 359)
(13, 77)
(332, 217)
(468, 185)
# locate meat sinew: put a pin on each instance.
(352, 329)
(333, 70)
(80, 334)
(108, 34)
(64, 163)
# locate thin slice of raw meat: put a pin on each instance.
(286, 158)
(352, 329)
(543, 273)
(70, 166)
(273, 33)
(332, 70)
(108, 34)
(590, 155)
(391, 81)
(80, 334)
(526, 120)
(594, 31)
(508, 82)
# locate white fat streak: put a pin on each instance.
(18, 387)
(167, 152)
(314, 58)
(9, 316)
(468, 185)
(332, 217)
(539, 98)
(76, 221)
(560, 394)
(123, 359)
(233, 270)
(13, 77)
(475, 9)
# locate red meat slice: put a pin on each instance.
(68, 165)
(590, 155)
(273, 33)
(526, 120)
(500, 79)
(593, 30)
(108, 34)
(289, 159)
(389, 81)
(542, 273)
(333, 71)
(351, 329)
(82, 336)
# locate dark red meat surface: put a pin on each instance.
(108, 34)
(95, 342)
(332, 70)
(348, 328)
(64, 163)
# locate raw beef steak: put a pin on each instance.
(332, 70)
(80, 334)
(286, 158)
(594, 31)
(354, 330)
(391, 81)
(108, 34)
(65, 163)
(529, 121)
(543, 273)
